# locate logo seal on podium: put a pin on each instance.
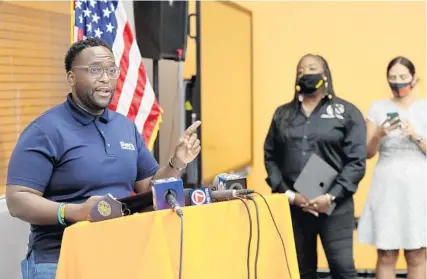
(104, 208)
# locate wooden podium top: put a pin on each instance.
(146, 246)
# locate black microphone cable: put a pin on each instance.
(278, 232)
(171, 199)
(250, 197)
(248, 266)
(181, 246)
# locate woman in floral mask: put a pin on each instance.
(394, 216)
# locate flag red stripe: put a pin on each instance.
(150, 122)
(124, 66)
(80, 34)
(138, 94)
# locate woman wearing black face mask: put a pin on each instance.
(394, 216)
(316, 121)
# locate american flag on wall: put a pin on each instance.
(134, 96)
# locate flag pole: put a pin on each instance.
(156, 147)
(71, 21)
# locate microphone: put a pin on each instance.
(196, 196)
(229, 194)
(168, 193)
(227, 181)
(171, 199)
(204, 195)
(201, 195)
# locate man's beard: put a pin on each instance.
(87, 97)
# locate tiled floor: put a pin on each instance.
(371, 276)
(357, 277)
(329, 277)
(324, 276)
(361, 276)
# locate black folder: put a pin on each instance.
(316, 179)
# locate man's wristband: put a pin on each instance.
(61, 214)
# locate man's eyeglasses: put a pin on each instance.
(97, 71)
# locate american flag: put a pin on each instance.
(134, 96)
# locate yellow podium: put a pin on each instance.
(147, 246)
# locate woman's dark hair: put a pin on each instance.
(403, 61)
(290, 113)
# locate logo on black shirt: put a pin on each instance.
(336, 112)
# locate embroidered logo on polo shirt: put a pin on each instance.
(336, 112)
(127, 146)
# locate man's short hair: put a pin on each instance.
(79, 46)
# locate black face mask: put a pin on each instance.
(401, 90)
(310, 83)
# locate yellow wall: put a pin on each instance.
(226, 88)
(357, 38)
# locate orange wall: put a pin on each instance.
(357, 38)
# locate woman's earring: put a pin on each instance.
(326, 91)
(300, 97)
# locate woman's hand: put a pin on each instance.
(300, 200)
(408, 130)
(388, 125)
(320, 204)
(303, 203)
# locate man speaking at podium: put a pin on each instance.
(74, 153)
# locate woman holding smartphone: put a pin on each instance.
(394, 216)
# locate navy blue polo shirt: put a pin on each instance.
(70, 155)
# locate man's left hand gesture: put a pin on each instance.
(188, 147)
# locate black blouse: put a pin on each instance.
(335, 131)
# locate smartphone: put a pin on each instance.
(392, 115)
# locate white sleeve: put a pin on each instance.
(421, 126)
(374, 113)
